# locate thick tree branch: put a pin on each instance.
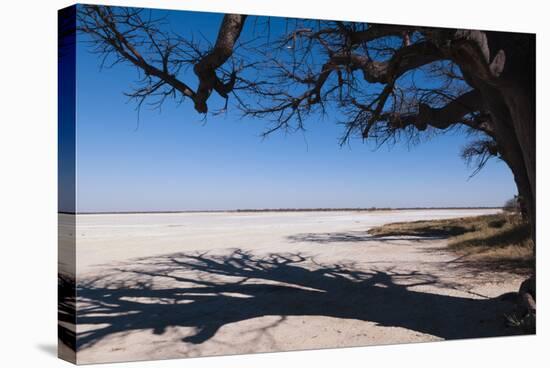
(454, 112)
(404, 59)
(451, 113)
(205, 69)
(471, 50)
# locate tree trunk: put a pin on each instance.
(510, 99)
(506, 81)
(507, 85)
(518, 90)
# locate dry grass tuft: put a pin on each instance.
(494, 239)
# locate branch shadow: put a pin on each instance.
(207, 292)
(424, 235)
(360, 236)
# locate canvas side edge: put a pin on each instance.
(67, 184)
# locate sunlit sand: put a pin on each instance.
(193, 284)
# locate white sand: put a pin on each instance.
(176, 285)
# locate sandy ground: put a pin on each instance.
(157, 286)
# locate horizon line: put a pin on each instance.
(319, 209)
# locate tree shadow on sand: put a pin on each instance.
(214, 290)
(361, 236)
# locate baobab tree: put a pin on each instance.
(389, 82)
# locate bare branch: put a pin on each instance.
(123, 33)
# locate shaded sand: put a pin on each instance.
(182, 285)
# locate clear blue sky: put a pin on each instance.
(173, 160)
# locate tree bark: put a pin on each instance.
(507, 86)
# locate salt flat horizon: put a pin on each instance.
(109, 237)
(290, 209)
